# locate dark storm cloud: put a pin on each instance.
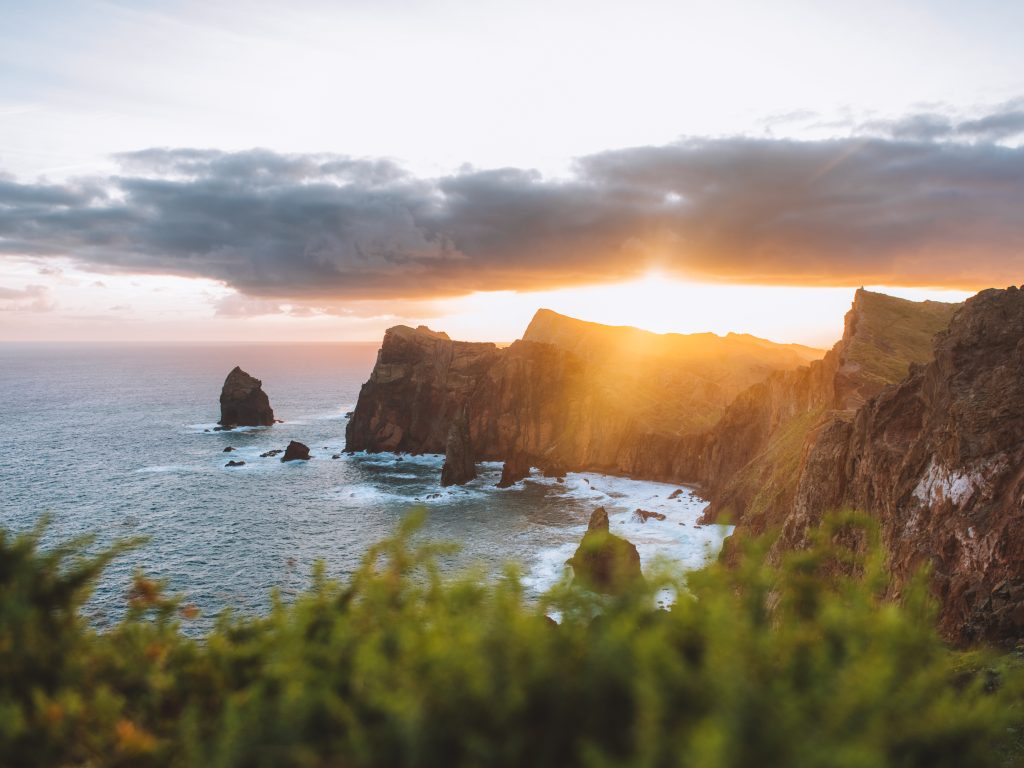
(935, 202)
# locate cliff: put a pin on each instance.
(609, 403)
(939, 460)
(750, 462)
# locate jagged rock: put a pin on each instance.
(515, 469)
(270, 454)
(235, 464)
(675, 494)
(296, 451)
(642, 516)
(939, 460)
(243, 403)
(604, 562)
(229, 449)
(459, 467)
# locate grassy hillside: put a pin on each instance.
(886, 334)
(670, 383)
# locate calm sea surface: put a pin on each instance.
(113, 439)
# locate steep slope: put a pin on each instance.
(939, 459)
(750, 462)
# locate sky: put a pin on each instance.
(175, 171)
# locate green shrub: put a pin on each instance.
(807, 664)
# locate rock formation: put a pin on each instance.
(296, 451)
(243, 403)
(604, 562)
(517, 467)
(234, 463)
(459, 466)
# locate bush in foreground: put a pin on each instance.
(752, 666)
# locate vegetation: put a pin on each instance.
(806, 664)
(892, 333)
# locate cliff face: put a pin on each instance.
(939, 459)
(620, 401)
(751, 461)
(419, 384)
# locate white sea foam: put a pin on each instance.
(676, 540)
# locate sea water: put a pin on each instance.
(118, 440)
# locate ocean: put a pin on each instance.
(117, 440)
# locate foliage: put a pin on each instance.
(807, 664)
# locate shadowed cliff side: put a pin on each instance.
(939, 460)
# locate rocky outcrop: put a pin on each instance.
(459, 466)
(619, 403)
(939, 460)
(243, 403)
(604, 562)
(516, 468)
(420, 382)
(296, 451)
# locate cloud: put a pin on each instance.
(32, 298)
(927, 200)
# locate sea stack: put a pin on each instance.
(604, 562)
(243, 403)
(459, 467)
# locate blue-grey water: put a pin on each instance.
(118, 440)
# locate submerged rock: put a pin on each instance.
(604, 562)
(243, 403)
(642, 516)
(296, 451)
(270, 454)
(229, 449)
(235, 464)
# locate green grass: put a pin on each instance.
(805, 664)
(892, 333)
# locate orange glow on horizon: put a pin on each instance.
(76, 305)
